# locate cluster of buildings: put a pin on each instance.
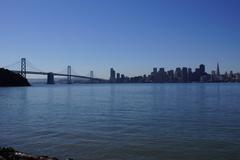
(179, 75)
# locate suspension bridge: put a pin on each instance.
(50, 75)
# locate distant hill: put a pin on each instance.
(9, 78)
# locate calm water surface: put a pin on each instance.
(123, 121)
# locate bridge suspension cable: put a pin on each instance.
(63, 71)
(74, 72)
(10, 66)
(31, 66)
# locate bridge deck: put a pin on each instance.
(59, 74)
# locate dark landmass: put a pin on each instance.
(12, 154)
(9, 78)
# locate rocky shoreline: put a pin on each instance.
(9, 78)
(11, 154)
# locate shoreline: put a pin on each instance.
(9, 153)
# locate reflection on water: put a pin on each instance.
(123, 121)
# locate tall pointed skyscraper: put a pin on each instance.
(218, 70)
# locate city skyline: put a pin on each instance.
(91, 73)
(158, 75)
(132, 36)
(177, 75)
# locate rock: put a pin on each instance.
(9, 78)
(11, 154)
(6, 152)
(1, 158)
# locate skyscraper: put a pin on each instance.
(178, 74)
(118, 77)
(154, 75)
(122, 77)
(162, 75)
(170, 76)
(202, 69)
(189, 75)
(218, 70)
(155, 70)
(112, 75)
(184, 74)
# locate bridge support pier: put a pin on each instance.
(69, 80)
(50, 78)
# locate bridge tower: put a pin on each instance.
(69, 80)
(91, 76)
(23, 67)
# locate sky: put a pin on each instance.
(132, 36)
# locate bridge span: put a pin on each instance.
(50, 75)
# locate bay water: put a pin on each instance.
(123, 121)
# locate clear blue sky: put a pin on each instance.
(133, 36)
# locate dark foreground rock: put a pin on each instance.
(12, 154)
(9, 78)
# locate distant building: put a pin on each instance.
(231, 74)
(205, 78)
(199, 72)
(184, 74)
(170, 75)
(145, 78)
(202, 69)
(112, 75)
(118, 77)
(122, 78)
(161, 75)
(237, 77)
(218, 70)
(154, 75)
(178, 74)
(213, 76)
(155, 70)
(189, 75)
